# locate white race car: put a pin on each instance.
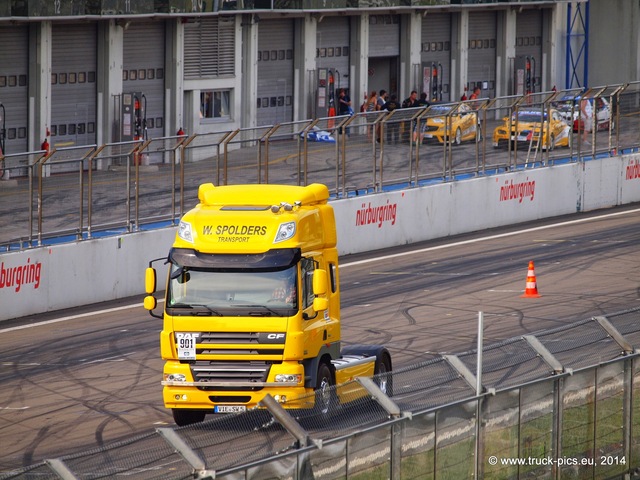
(569, 108)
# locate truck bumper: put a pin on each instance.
(192, 397)
(180, 390)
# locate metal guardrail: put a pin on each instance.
(77, 193)
(563, 403)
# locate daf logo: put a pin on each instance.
(272, 337)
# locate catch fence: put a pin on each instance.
(79, 192)
(560, 404)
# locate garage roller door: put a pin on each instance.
(143, 70)
(73, 84)
(481, 68)
(529, 41)
(14, 71)
(384, 35)
(333, 48)
(275, 72)
(436, 49)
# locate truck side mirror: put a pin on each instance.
(150, 283)
(150, 280)
(150, 302)
(320, 288)
(320, 285)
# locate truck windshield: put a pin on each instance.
(207, 291)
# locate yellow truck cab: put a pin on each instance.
(252, 304)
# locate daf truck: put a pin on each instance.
(252, 305)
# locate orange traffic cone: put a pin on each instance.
(531, 289)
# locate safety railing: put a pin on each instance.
(561, 403)
(66, 8)
(87, 190)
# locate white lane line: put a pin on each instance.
(359, 262)
(115, 358)
(490, 237)
(74, 317)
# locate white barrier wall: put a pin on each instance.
(408, 216)
(69, 275)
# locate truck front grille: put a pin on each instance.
(228, 337)
(244, 343)
(223, 372)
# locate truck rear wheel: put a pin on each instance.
(383, 375)
(187, 417)
(325, 394)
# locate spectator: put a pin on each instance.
(344, 105)
(371, 106)
(372, 102)
(363, 107)
(412, 101)
(423, 102)
(475, 96)
(392, 127)
(586, 113)
(382, 99)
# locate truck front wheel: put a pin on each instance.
(325, 394)
(187, 417)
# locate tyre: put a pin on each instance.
(458, 138)
(383, 376)
(184, 417)
(325, 400)
(552, 142)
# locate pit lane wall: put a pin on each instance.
(91, 271)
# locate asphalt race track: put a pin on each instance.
(79, 379)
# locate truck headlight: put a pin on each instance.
(185, 232)
(285, 232)
(288, 377)
(175, 377)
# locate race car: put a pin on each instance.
(442, 125)
(532, 126)
(569, 108)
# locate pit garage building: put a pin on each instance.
(71, 70)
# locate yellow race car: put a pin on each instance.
(443, 124)
(530, 126)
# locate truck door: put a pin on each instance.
(321, 328)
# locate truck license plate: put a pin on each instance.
(229, 408)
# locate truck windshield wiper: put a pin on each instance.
(193, 306)
(264, 311)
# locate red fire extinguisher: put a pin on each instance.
(332, 100)
(45, 146)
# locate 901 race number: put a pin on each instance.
(186, 343)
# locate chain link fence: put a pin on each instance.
(563, 403)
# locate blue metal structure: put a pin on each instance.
(577, 57)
